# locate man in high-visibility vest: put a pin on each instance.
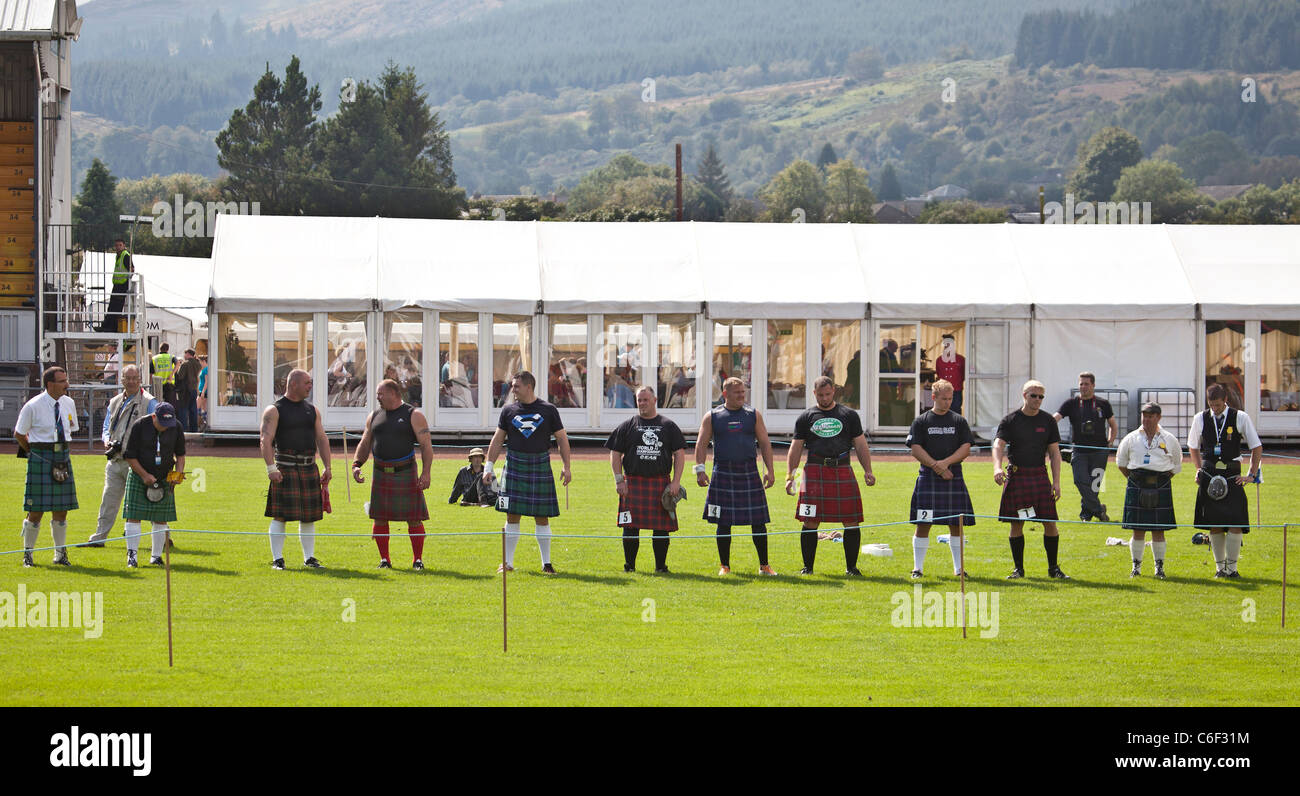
(163, 368)
(122, 269)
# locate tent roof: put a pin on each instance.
(1118, 272)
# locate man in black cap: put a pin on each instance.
(155, 452)
(1095, 429)
(1149, 457)
(469, 486)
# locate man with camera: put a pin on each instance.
(155, 452)
(1095, 430)
(128, 406)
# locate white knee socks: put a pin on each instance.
(1218, 543)
(59, 528)
(512, 539)
(544, 542)
(919, 544)
(30, 532)
(277, 540)
(955, 543)
(307, 535)
(1158, 553)
(132, 530)
(1233, 549)
(159, 539)
(1137, 548)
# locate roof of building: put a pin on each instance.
(36, 17)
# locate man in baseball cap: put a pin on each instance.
(469, 486)
(155, 452)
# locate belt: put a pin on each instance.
(394, 467)
(839, 461)
(1150, 479)
(294, 458)
(57, 447)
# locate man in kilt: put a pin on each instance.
(735, 493)
(393, 432)
(1149, 457)
(155, 452)
(525, 429)
(1217, 440)
(1027, 494)
(647, 454)
(292, 436)
(828, 491)
(940, 439)
(42, 430)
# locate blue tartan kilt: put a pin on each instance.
(137, 507)
(736, 495)
(947, 502)
(528, 487)
(42, 493)
(1160, 518)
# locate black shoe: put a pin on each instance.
(1016, 574)
(629, 568)
(806, 571)
(1055, 572)
(417, 564)
(1103, 516)
(156, 561)
(312, 563)
(277, 564)
(1222, 573)
(1160, 572)
(916, 574)
(93, 544)
(547, 569)
(1085, 516)
(1137, 571)
(961, 575)
(1234, 574)
(61, 560)
(852, 572)
(385, 564)
(27, 560)
(662, 571)
(130, 559)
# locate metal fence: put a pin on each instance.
(77, 282)
(91, 402)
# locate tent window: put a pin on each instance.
(842, 359)
(1280, 362)
(676, 387)
(458, 360)
(403, 363)
(512, 342)
(786, 383)
(896, 393)
(1225, 343)
(237, 377)
(622, 354)
(347, 372)
(293, 348)
(567, 361)
(733, 355)
(932, 343)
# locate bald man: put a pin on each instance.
(292, 436)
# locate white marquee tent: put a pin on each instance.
(593, 309)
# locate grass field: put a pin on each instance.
(245, 634)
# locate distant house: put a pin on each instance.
(1027, 218)
(1220, 192)
(891, 213)
(945, 193)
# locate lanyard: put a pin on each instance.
(112, 429)
(1218, 427)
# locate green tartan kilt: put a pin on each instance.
(42, 493)
(529, 486)
(136, 506)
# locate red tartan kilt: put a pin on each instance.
(396, 497)
(829, 494)
(298, 495)
(643, 507)
(1028, 487)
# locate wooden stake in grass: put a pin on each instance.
(347, 463)
(167, 566)
(505, 571)
(961, 564)
(1284, 528)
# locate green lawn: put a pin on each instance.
(245, 634)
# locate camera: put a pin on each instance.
(114, 450)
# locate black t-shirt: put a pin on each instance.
(529, 427)
(647, 445)
(296, 428)
(940, 435)
(393, 433)
(145, 444)
(1028, 437)
(828, 434)
(1087, 418)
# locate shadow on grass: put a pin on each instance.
(561, 575)
(96, 572)
(194, 568)
(447, 573)
(328, 572)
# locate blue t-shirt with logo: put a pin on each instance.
(529, 426)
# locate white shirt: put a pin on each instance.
(36, 419)
(1244, 424)
(1166, 454)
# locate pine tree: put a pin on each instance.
(97, 203)
(713, 176)
(890, 189)
(826, 157)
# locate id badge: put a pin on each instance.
(1146, 459)
(1218, 450)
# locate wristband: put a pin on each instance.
(272, 469)
(699, 468)
(619, 478)
(358, 463)
(487, 467)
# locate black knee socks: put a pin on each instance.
(1051, 544)
(852, 543)
(1018, 551)
(760, 542)
(724, 545)
(660, 545)
(808, 546)
(631, 544)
